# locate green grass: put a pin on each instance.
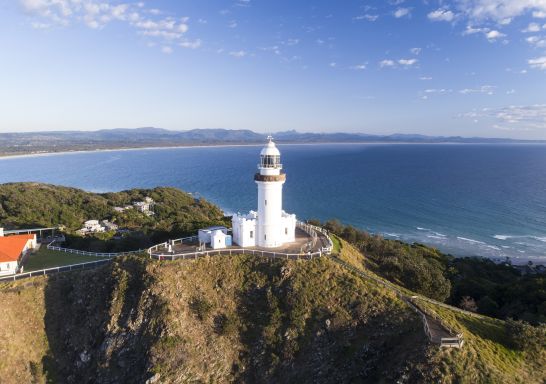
(337, 244)
(46, 258)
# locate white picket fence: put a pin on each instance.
(51, 247)
(234, 251)
(155, 252)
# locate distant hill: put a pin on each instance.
(57, 141)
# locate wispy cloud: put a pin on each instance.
(238, 54)
(359, 67)
(407, 62)
(402, 12)
(513, 117)
(538, 63)
(416, 51)
(427, 93)
(366, 17)
(498, 10)
(532, 27)
(403, 63)
(387, 63)
(242, 3)
(484, 89)
(537, 41)
(490, 34)
(291, 42)
(166, 31)
(494, 35)
(441, 14)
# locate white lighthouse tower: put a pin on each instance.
(270, 227)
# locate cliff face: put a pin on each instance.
(222, 319)
(233, 319)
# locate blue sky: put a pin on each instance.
(461, 67)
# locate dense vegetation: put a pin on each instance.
(475, 284)
(31, 205)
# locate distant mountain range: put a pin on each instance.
(56, 141)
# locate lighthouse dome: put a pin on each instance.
(270, 149)
(270, 157)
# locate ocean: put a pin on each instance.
(485, 200)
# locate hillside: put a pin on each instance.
(477, 284)
(235, 319)
(31, 205)
(492, 352)
(57, 141)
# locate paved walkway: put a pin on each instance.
(304, 243)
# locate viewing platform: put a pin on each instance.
(311, 241)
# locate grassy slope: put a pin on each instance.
(24, 342)
(486, 357)
(240, 318)
(221, 319)
(281, 313)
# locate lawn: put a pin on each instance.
(336, 243)
(46, 258)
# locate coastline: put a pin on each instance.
(4, 156)
(447, 243)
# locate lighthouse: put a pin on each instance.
(270, 226)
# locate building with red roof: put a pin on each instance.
(13, 250)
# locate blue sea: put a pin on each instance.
(485, 200)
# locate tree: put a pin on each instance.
(468, 304)
(526, 337)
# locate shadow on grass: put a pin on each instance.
(486, 329)
(291, 335)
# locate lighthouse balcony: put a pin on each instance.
(260, 177)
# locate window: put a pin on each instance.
(265, 202)
(251, 234)
(265, 237)
(286, 230)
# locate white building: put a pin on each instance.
(91, 226)
(145, 206)
(270, 226)
(216, 237)
(13, 250)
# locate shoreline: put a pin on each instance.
(5, 156)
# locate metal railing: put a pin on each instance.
(455, 341)
(50, 271)
(312, 229)
(235, 251)
(51, 247)
(155, 253)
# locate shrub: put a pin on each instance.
(200, 307)
(526, 337)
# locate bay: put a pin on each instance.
(483, 199)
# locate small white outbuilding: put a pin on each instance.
(216, 237)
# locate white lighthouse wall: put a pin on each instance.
(244, 229)
(269, 213)
(288, 228)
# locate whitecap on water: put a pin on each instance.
(470, 240)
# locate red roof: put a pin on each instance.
(11, 247)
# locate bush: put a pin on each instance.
(226, 325)
(201, 307)
(526, 337)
